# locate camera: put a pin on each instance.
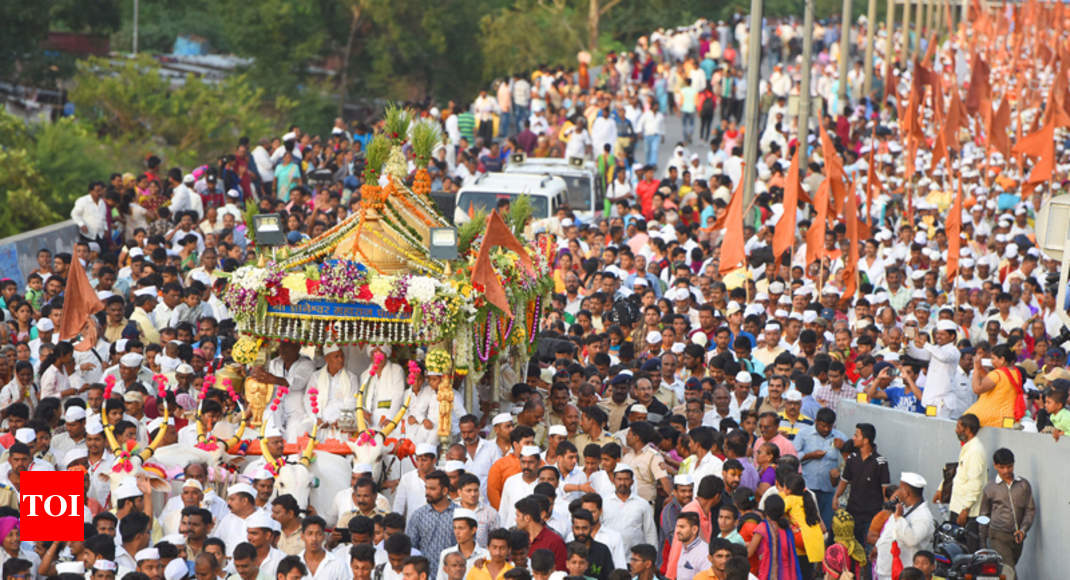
(890, 504)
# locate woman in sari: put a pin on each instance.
(774, 544)
(999, 392)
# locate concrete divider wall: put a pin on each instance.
(913, 442)
(18, 253)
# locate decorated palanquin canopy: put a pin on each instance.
(371, 278)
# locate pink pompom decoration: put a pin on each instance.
(274, 407)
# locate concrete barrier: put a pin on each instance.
(18, 253)
(913, 442)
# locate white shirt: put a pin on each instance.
(603, 132)
(385, 392)
(182, 200)
(91, 215)
(409, 494)
(298, 375)
(912, 532)
(230, 529)
(477, 554)
(424, 405)
(336, 392)
(612, 540)
(271, 562)
(514, 490)
(331, 568)
(940, 381)
(709, 465)
(578, 144)
(632, 518)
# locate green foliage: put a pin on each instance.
(520, 211)
(530, 33)
(251, 209)
(92, 16)
(469, 231)
(378, 151)
(128, 101)
(396, 123)
(425, 135)
(22, 26)
(43, 170)
(160, 22)
(283, 36)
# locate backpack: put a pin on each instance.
(707, 106)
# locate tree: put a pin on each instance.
(130, 101)
(43, 170)
(282, 36)
(22, 26)
(551, 35)
(595, 10)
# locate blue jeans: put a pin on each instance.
(652, 144)
(824, 506)
(521, 113)
(504, 127)
(688, 122)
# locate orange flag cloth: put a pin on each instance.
(483, 274)
(79, 302)
(732, 254)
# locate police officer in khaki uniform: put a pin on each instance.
(646, 461)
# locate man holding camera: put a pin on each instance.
(909, 529)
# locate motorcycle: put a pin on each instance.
(955, 562)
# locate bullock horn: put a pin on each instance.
(306, 455)
(263, 446)
(109, 434)
(362, 425)
(397, 418)
(160, 434)
(241, 427)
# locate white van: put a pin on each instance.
(547, 193)
(586, 192)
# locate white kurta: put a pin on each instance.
(409, 494)
(298, 376)
(514, 490)
(385, 393)
(633, 519)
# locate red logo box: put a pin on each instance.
(51, 506)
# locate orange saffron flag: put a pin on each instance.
(732, 254)
(1040, 145)
(954, 229)
(815, 236)
(483, 274)
(850, 272)
(997, 134)
(834, 174)
(784, 234)
(79, 302)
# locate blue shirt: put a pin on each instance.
(431, 531)
(816, 471)
(899, 397)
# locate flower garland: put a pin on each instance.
(414, 371)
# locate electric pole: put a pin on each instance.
(904, 50)
(750, 108)
(871, 31)
(804, 88)
(845, 55)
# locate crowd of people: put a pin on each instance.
(679, 419)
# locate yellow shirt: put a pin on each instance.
(484, 573)
(995, 405)
(813, 543)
